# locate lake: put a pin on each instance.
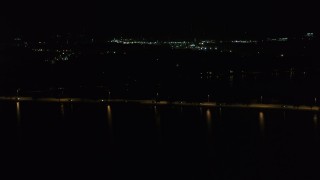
(140, 141)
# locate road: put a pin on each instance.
(175, 103)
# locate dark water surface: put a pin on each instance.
(133, 141)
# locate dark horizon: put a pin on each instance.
(175, 20)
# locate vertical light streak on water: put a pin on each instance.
(19, 129)
(110, 123)
(262, 123)
(209, 121)
(158, 122)
(18, 113)
(71, 107)
(315, 120)
(315, 125)
(62, 110)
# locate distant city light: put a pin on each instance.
(205, 45)
(309, 34)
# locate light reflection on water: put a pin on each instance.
(158, 122)
(315, 120)
(209, 121)
(18, 113)
(109, 119)
(210, 137)
(209, 126)
(157, 117)
(19, 130)
(71, 107)
(62, 110)
(261, 122)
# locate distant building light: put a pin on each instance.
(283, 39)
(309, 34)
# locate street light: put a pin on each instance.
(208, 97)
(60, 93)
(18, 90)
(109, 95)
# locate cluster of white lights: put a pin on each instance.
(63, 56)
(112, 52)
(283, 39)
(201, 46)
(48, 50)
(130, 41)
(40, 50)
(309, 34)
(244, 41)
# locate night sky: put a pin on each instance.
(165, 19)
